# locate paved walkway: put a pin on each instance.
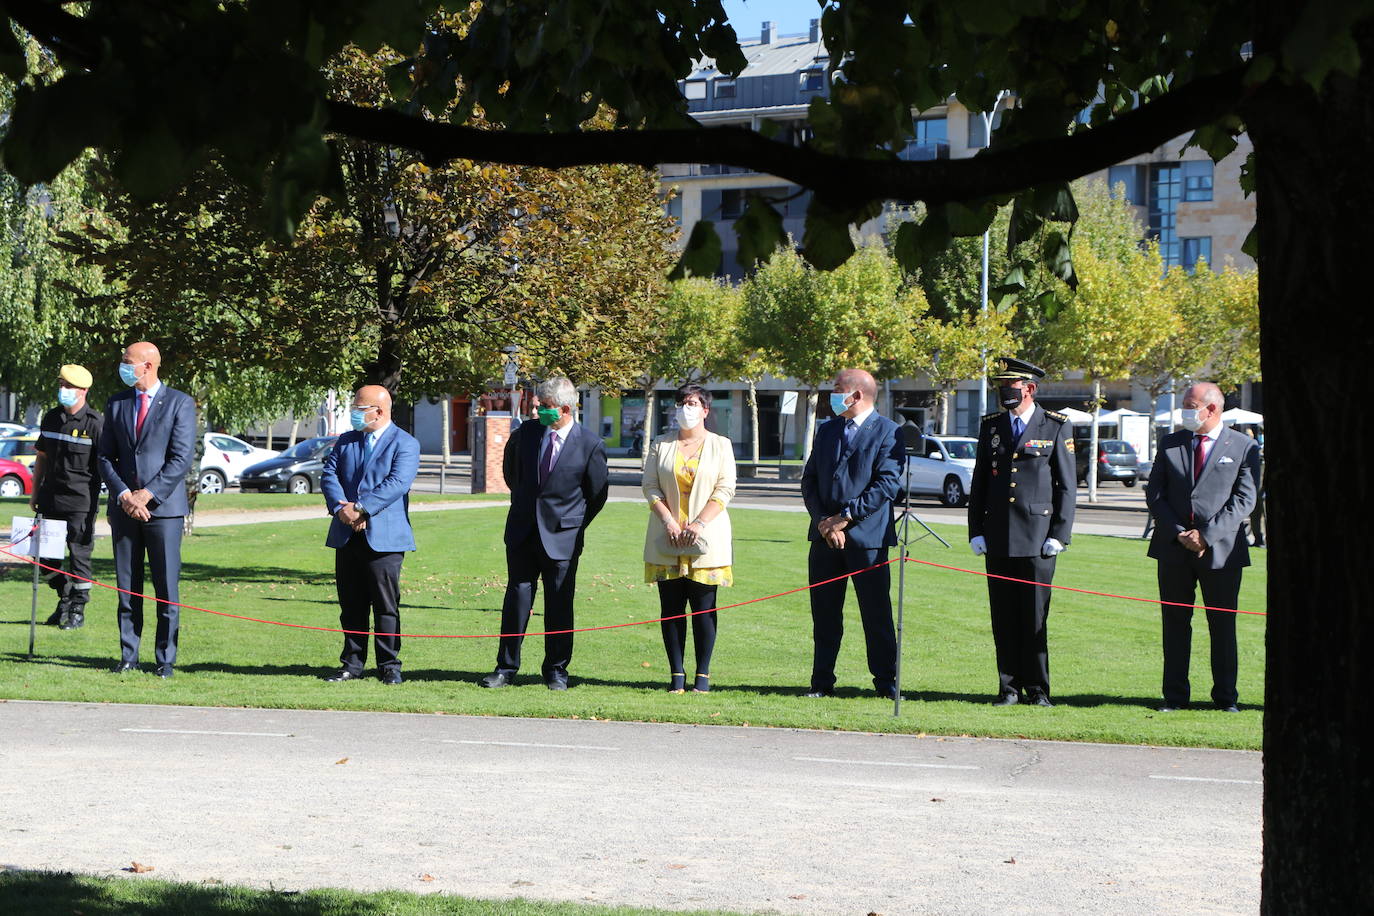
(747, 819)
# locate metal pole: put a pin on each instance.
(443, 472)
(901, 597)
(33, 552)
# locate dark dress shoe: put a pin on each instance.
(165, 672)
(74, 620)
(1006, 699)
(888, 693)
(1038, 699)
(390, 676)
(817, 694)
(557, 682)
(1171, 707)
(343, 675)
(123, 667)
(498, 678)
(1231, 708)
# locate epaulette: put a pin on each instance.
(1059, 417)
(992, 416)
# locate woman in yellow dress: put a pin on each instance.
(689, 479)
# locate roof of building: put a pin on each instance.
(784, 54)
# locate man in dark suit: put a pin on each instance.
(848, 486)
(1202, 486)
(366, 484)
(147, 446)
(556, 471)
(1020, 516)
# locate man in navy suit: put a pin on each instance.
(556, 471)
(1020, 516)
(366, 485)
(1202, 486)
(147, 446)
(848, 486)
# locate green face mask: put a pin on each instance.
(548, 415)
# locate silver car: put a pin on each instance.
(943, 467)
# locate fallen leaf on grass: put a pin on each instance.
(677, 866)
(139, 868)
(644, 664)
(426, 877)
(1011, 861)
(937, 799)
(715, 715)
(341, 761)
(522, 884)
(796, 896)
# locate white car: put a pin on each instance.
(225, 459)
(943, 466)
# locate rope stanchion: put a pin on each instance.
(306, 626)
(1083, 591)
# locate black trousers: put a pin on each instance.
(369, 588)
(1020, 614)
(526, 565)
(159, 539)
(80, 542)
(674, 595)
(1220, 588)
(874, 592)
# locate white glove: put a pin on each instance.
(1051, 548)
(978, 545)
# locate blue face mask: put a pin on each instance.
(357, 418)
(128, 374)
(68, 397)
(838, 401)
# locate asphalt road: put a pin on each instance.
(772, 820)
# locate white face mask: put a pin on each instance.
(688, 416)
(1191, 421)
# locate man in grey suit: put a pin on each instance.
(147, 445)
(556, 470)
(1202, 487)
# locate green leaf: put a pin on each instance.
(1247, 174)
(970, 219)
(1012, 284)
(52, 124)
(701, 257)
(1055, 202)
(398, 80)
(1025, 222)
(1059, 257)
(12, 62)
(1251, 244)
(826, 242)
(905, 248)
(1214, 140)
(759, 231)
(151, 162)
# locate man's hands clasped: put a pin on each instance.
(135, 504)
(351, 515)
(1192, 540)
(832, 529)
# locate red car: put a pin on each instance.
(15, 479)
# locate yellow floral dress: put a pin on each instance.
(685, 471)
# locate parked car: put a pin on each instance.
(296, 470)
(942, 465)
(11, 429)
(19, 448)
(225, 459)
(15, 479)
(1116, 460)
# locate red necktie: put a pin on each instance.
(143, 400)
(1199, 456)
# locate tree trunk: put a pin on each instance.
(1092, 441)
(944, 410)
(812, 398)
(295, 429)
(648, 436)
(385, 370)
(754, 418)
(1314, 201)
(445, 428)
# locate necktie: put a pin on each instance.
(1018, 426)
(143, 400)
(369, 443)
(546, 463)
(850, 428)
(1199, 456)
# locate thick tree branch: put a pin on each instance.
(837, 179)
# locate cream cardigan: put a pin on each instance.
(715, 480)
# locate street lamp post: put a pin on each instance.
(987, 117)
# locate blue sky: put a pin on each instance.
(792, 17)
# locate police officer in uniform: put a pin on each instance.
(66, 485)
(1020, 513)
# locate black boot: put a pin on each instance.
(76, 617)
(58, 615)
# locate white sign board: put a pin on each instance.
(52, 541)
(1136, 431)
(789, 403)
(509, 377)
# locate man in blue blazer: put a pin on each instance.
(848, 487)
(146, 449)
(1202, 487)
(366, 485)
(556, 471)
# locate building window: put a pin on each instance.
(1165, 190)
(1197, 180)
(1196, 249)
(929, 140)
(673, 205)
(731, 203)
(812, 80)
(694, 90)
(725, 89)
(1127, 176)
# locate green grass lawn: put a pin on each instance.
(60, 894)
(1105, 653)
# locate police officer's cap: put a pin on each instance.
(1010, 368)
(76, 376)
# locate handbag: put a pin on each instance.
(667, 548)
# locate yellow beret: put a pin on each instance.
(76, 376)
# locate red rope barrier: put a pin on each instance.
(1084, 591)
(304, 626)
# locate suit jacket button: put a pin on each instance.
(1013, 483)
(1011, 499)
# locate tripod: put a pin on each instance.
(905, 540)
